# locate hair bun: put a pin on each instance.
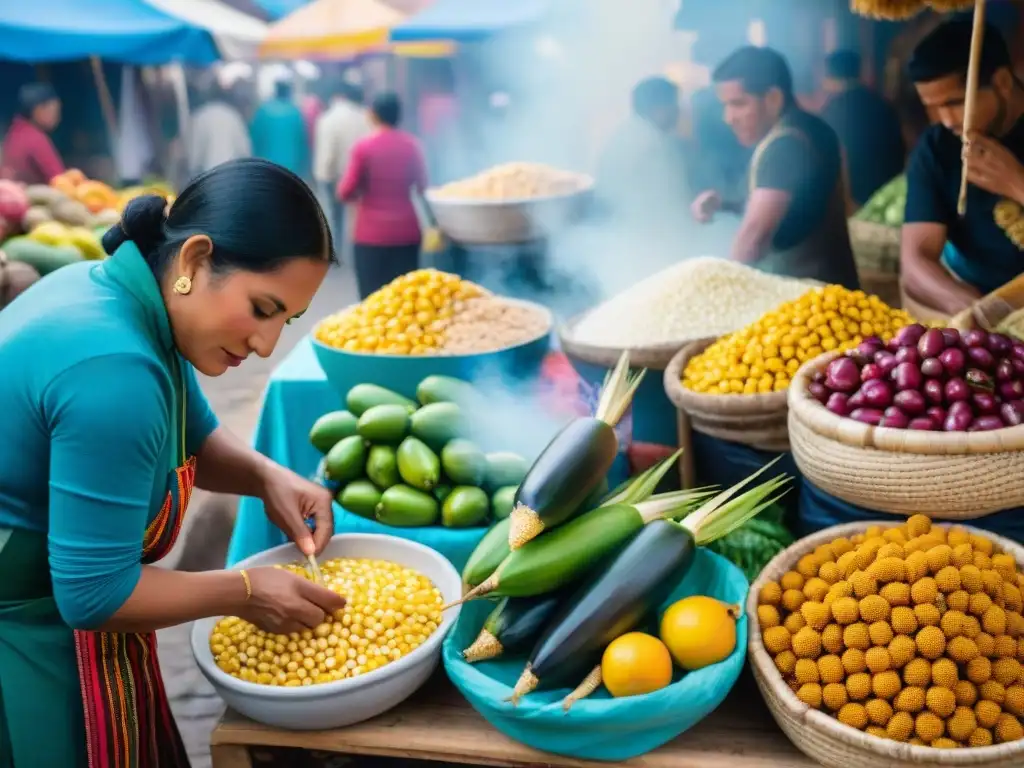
(142, 222)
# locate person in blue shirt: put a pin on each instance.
(279, 132)
(106, 432)
(947, 261)
(867, 126)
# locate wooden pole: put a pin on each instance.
(106, 104)
(970, 97)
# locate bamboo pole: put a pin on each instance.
(106, 105)
(970, 98)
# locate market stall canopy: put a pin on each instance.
(278, 9)
(195, 32)
(465, 21)
(331, 28)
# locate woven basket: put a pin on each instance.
(755, 420)
(655, 357)
(900, 471)
(822, 737)
(876, 247)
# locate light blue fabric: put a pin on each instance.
(92, 395)
(599, 727)
(297, 395)
(129, 31)
(279, 135)
(278, 9)
(467, 21)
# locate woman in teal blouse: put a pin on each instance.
(105, 432)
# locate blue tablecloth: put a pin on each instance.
(297, 395)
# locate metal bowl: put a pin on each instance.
(334, 705)
(496, 222)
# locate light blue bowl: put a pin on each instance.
(401, 373)
(600, 727)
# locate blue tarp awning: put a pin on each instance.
(127, 31)
(466, 21)
(278, 9)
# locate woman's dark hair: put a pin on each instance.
(758, 70)
(946, 50)
(32, 95)
(387, 108)
(653, 93)
(257, 214)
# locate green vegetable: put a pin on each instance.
(574, 462)
(502, 502)
(405, 507)
(41, 257)
(418, 465)
(504, 468)
(463, 462)
(384, 424)
(331, 428)
(636, 580)
(438, 423)
(441, 492)
(444, 389)
(345, 461)
(360, 497)
(512, 626)
(464, 507)
(382, 466)
(488, 555)
(362, 397)
(751, 546)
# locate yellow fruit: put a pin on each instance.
(966, 693)
(877, 660)
(845, 610)
(768, 616)
(806, 671)
(1008, 728)
(879, 712)
(853, 715)
(834, 696)
(896, 593)
(924, 591)
(776, 640)
(791, 580)
(901, 650)
(815, 614)
(910, 700)
(944, 674)
(931, 642)
(771, 594)
(700, 631)
(941, 701)
(917, 673)
(881, 633)
(900, 726)
(830, 669)
(785, 662)
(885, 685)
(928, 726)
(810, 694)
(832, 639)
(873, 608)
(962, 724)
(903, 620)
(635, 664)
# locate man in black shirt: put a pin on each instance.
(794, 220)
(866, 124)
(988, 242)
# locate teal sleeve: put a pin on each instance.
(104, 461)
(200, 421)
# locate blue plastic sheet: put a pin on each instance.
(128, 31)
(600, 727)
(818, 509)
(467, 21)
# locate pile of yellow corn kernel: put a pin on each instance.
(408, 316)
(764, 356)
(391, 610)
(912, 633)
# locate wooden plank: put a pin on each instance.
(437, 724)
(229, 756)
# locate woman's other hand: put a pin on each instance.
(289, 500)
(282, 602)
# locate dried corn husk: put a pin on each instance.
(892, 10)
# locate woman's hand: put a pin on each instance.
(289, 500)
(282, 602)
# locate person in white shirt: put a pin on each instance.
(341, 125)
(217, 133)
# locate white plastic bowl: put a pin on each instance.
(334, 705)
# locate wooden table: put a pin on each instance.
(437, 724)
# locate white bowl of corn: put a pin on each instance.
(363, 661)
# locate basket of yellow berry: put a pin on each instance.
(429, 322)
(734, 388)
(367, 658)
(896, 645)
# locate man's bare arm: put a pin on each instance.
(924, 277)
(765, 211)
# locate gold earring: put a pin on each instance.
(182, 285)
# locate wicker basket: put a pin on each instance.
(900, 471)
(484, 222)
(822, 737)
(755, 420)
(655, 357)
(876, 247)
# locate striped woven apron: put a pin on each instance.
(128, 720)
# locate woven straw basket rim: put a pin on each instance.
(719, 405)
(816, 417)
(654, 357)
(779, 696)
